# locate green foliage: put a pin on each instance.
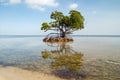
(45, 26)
(76, 19)
(65, 24)
(57, 16)
(65, 21)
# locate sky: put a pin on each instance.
(24, 17)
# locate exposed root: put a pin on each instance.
(57, 39)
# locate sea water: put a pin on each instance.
(101, 55)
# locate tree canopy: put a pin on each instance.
(64, 24)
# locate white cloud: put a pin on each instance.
(10, 2)
(37, 7)
(40, 4)
(34, 4)
(15, 1)
(73, 6)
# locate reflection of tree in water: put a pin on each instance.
(65, 62)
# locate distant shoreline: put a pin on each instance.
(13, 36)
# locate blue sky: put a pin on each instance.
(24, 17)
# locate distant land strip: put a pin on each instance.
(15, 36)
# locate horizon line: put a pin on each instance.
(2, 36)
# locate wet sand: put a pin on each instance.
(13, 73)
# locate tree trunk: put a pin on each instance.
(63, 34)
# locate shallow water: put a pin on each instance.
(100, 60)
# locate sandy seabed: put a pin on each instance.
(13, 73)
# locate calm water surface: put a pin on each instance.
(89, 58)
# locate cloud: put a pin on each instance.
(15, 1)
(37, 7)
(10, 2)
(73, 6)
(41, 4)
(34, 4)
